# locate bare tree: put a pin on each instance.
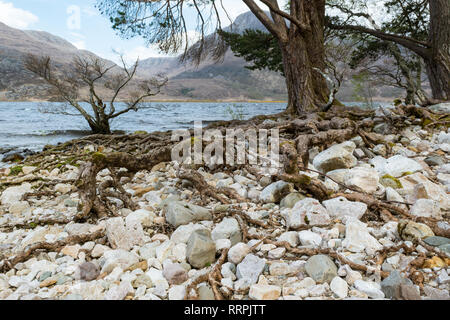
(93, 74)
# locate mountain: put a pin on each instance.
(209, 80)
(228, 79)
(17, 83)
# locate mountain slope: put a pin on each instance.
(17, 83)
(218, 80)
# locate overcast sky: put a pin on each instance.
(93, 32)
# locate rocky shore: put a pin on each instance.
(280, 243)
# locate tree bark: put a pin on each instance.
(302, 52)
(438, 64)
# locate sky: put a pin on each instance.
(79, 22)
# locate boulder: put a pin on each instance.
(178, 213)
(321, 268)
(291, 199)
(338, 156)
(250, 268)
(14, 194)
(264, 292)
(426, 208)
(391, 285)
(395, 166)
(357, 237)
(238, 252)
(362, 179)
(340, 207)
(411, 231)
(308, 211)
(228, 228)
(123, 236)
(201, 249)
(274, 192)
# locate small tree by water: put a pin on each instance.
(102, 82)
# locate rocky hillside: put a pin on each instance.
(16, 83)
(227, 80)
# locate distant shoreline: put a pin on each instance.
(174, 100)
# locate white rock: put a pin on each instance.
(63, 188)
(339, 287)
(264, 292)
(307, 211)
(228, 228)
(142, 216)
(183, 232)
(309, 238)
(290, 236)
(119, 292)
(362, 179)
(13, 194)
(277, 253)
(19, 207)
(177, 292)
(372, 289)
(426, 208)
(238, 252)
(121, 236)
(395, 166)
(99, 250)
(118, 258)
(340, 207)
(336, 157)
(222, 244)
(357, 237)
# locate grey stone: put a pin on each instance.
(88, 271)
(338, 156)
(291, 199)
(436, 241)
(228, 228)
(409, 292)
(411, 231)
(445, 248)
(178, 213)
(434, 161)
(441, 108)
(174, 273)
(205, 293)
(45, 275)
(274, 192)
(391, 285)
(250, 268)
(321, 268)
(201, 249)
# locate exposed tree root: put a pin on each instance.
(31, 249)
(207, 190)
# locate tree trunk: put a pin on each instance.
(304, 51)
(100, 126)
(438, 64)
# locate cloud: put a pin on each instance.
(15, 17)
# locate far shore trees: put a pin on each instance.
(93, 74)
